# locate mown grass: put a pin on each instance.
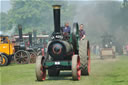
(103, 72)
(0, 77)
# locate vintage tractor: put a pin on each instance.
(21, 56)
(6, 50)
(24, 54)
(108, 49)
(64, 54)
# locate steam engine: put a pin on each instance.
(59, 48)
(64, 52)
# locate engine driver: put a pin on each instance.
(66, 30)
(82, 32)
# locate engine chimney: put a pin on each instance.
(30, 38)
(20, 32)
(35, 36)
(56, 12)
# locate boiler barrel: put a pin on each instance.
(60, 50)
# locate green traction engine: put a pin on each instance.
(64, 53)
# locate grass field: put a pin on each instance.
(103, 72)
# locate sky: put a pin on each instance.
(5, 5)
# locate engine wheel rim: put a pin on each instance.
(76, 71)
(40, 69)
(2, 60)
(32, 57)
(22, 57)
(43, 74)
(89, 61)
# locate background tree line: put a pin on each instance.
(33, 14)
(98, 17)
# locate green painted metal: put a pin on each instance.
(70, 38)
(61, 63)
(77, 35)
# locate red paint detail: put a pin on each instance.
(78, 68)
(42, 51)
(54, 50)
(43, 75)
(89, 61)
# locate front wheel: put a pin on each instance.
(76, 72)
(40, 70)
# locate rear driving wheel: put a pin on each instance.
(40, 70)
(22, 57)
(76, 72)
(33, 57)
(89, 63)
(84, 53)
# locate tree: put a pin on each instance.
(4, 21)
(36, 14)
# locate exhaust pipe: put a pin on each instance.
(56, 12)
(30, 38)
(35, 36)
(20, 32)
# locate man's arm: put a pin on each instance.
(83, 37)
(83, 33)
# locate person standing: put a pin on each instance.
(82, 32)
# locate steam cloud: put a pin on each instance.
(9, 32)
(0, 32)
(96, 17)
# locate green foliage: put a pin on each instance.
(98, 18)
(34, 14)
(3, 23)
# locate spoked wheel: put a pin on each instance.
(33, 57)
(76, 72)
(3, 60)
(22, 57)
(40, 70)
